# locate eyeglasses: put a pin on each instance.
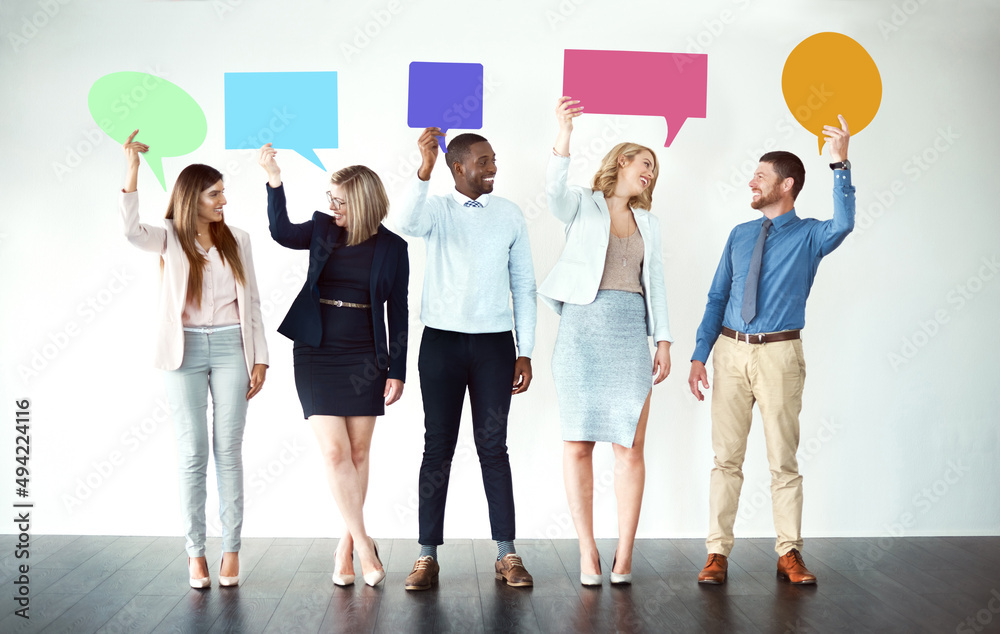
(336, 202)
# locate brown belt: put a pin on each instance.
(764, 337)
(340, 304)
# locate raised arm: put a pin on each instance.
(564, 203)
(415, 217)
(146, 237)
(829, 234)
(285, 233)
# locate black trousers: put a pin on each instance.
(449, 363)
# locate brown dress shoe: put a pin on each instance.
(715, 570)
(792, 569)
(511, 570)
(424, 574)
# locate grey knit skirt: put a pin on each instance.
(602, 368)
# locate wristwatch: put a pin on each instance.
(842, 165)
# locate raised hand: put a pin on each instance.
(837, 139)
(428, 145)
(565, 113)
(265, 158)
(132, 149)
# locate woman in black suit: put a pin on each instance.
(346, 370)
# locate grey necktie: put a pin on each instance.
(753, 275)
(473, 203)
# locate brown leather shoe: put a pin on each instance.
(424, 574)
(715, 570)
(792, 569)
(511, 570)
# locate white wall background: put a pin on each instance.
(887, 448)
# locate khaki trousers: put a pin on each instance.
(772, 375)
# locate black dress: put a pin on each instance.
(341, 377)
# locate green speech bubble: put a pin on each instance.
(170, 121)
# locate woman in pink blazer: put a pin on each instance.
(210, 337)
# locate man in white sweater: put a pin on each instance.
(478, 259)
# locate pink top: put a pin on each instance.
(218, 295)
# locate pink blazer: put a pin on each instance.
(173, 291)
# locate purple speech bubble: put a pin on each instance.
(671, 85)
(445, 95)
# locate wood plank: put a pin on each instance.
(140, 615)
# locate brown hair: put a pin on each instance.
(607, 176)
(183, 210)
(787, 165)
(367, 202)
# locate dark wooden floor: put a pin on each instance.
(139, 584)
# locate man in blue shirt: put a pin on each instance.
(478, 263)
(757, 304)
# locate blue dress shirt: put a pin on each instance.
(792, 252)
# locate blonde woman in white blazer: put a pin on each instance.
(210, 337)
(608, 288)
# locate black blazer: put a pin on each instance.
(390, 277)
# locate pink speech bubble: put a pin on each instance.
(671, 85)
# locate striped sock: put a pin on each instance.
(504, 549)
(429, 551)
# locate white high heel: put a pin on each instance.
(198, 583)
(375, 577)
(344, 580)
(227, 582)
(619, 579)
(592, 580)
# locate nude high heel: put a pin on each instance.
(227, 582)
(375, 577)
(198, 583)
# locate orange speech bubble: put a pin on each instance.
(829, 74)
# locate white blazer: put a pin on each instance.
(173, 291)
(577, 275)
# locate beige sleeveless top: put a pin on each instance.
(623, 264)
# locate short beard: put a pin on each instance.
(764, 201)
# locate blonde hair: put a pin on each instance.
(183, 210)
(607, 176)
(367, 202)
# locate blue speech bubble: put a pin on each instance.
(445, 95)
(293, 111)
